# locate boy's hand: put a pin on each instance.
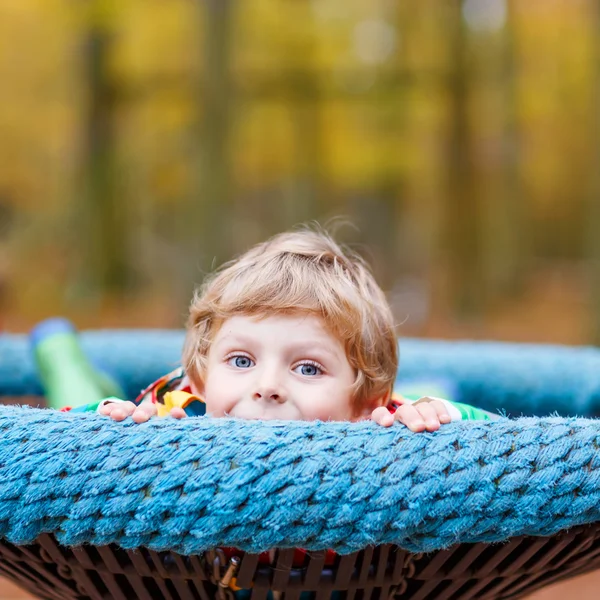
(425, 416)
(118, 411)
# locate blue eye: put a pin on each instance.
(241, 362)
(308, 369)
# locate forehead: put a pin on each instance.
(295, 328)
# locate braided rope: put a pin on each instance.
(199, 483)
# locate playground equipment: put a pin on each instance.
(90, 508)
(65, 371)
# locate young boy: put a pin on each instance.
(296, 328)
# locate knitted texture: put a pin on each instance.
(521, 379)
(198, 483)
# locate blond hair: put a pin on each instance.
(303, 271)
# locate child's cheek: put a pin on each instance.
(197, 390)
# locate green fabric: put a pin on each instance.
(94, 406)
(470, 413)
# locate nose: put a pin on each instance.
(269, 391)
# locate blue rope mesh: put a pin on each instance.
(199, 483)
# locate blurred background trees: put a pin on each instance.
(144, 141)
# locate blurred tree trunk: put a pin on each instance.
(592, 229)
(208, 227)
(505, 239)
(307, 201)
(307, 197)
(402, 252)
(463, 217)
(102, 216)
(517, 247)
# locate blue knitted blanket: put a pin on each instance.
(199, 483)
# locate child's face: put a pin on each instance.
(279, 367)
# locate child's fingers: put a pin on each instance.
(109, 407)
(430, 416)
(118, 411)
(106, 409)
(382, 416)
(410, 416)
(177, 413)
(143, 413)
(441, 411)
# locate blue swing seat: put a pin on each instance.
(93, 508)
